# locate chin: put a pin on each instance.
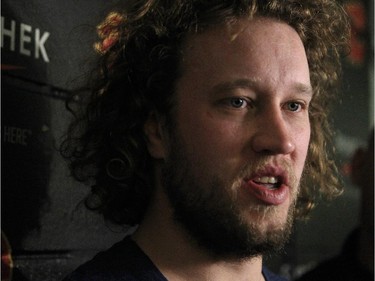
(270, 218)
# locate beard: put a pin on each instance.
(210, 214)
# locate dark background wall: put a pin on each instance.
(46, 48)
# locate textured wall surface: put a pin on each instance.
(46, 48)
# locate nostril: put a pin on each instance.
(271, 144)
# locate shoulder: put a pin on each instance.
(270, 276)
(123, 261)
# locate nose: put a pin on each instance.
(273, 135)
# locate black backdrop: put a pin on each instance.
(46, 46)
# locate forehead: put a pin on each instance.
(260, 48)
(257, 35)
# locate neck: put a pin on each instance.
(178, 257)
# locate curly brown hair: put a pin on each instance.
(137, 73)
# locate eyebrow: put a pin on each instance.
(231, 85)
(303, 89)
(253, 84)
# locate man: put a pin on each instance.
(199, 127)
(356, 260)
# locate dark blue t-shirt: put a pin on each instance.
(125, 261)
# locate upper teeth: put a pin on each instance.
(272, 180)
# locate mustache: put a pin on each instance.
(283, 167)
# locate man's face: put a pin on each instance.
(239, 142)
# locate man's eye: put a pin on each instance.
(238, 102)
(294, 106)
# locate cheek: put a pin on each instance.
(215, 133)
(208, 139)
(302, 144)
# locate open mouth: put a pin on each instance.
(269, 185)
(269, 182)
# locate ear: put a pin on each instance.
(156, 140)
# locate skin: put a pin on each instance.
(243, 98)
